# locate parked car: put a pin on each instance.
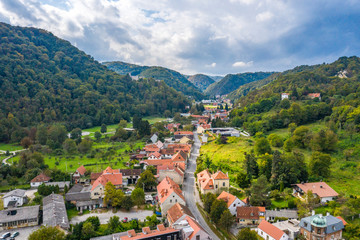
(14, 235)
(128, 192)
(5, 235)
(125, 220)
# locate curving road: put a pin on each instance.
(189, 188)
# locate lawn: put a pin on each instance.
(9, 188)
(154, 119)
(10, 147)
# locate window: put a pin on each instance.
(168, 237)
(197, 237)
(319, 231)
(170, 200)
(216, 186)
(223, 184)
(175, 200)
(305, 224)
(234, 204)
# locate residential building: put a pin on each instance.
(19, 217)
(61, 185)
(213, 183)
(109, 175)
(175, 172)
(54, 212)
(169, 193)
(154, 156)
(285, 96)
(290, 227)
(272, 215)
(80, 196)
(185, 140)
(15, 198)
(250, 215)
(154, 138)
(269, 232)
(180, 134)
(79, 173)
(130, 176)
(191, 230)
(232, 201)
(160, 233)
(177, 213)
(321, 227)
(38, 180)
(314, 95)
(319, 189)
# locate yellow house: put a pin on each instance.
(185, 140)
(213, 183)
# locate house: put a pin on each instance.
(61, 185)
(231, 201)
(314, 95)
(180, 134)
(180, 157)
(185, 140)
(321, 227)
(19, 217)
(79, 173)
(54, 212)
(169, 193)
(250, 215)
(319, 189)
(109, 175)
(80, 196)
(15, 198)
(154, 156)
(269, 232)
(271, 215)
(284, 96)
(290, 227)
(177, 213)
(130, 176)
(160, 233)
(191, 230)
(213, 183)
(154, 138)
(38, 180)
(175, 172)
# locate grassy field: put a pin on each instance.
(10, 147)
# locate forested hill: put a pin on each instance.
(231, 82)
(170, 77)
(45, 79)
(201, 81)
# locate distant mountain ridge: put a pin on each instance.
(232, 82)
(201, 81)
(172, 78)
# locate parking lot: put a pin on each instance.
(24, 232)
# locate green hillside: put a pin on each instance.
(201, 81)
(231, 82)
(172, 78)
(45, 79)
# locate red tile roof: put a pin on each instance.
(271, 230)
(109, 170)
(114, 178)
(249, 212)
(319, 188)
(179, 156)
(344, 222)
(81, 170)
(40, 178)
(183, 133)
(314, 95)
(227, 197)
(219, 175)
(166, 187)
(161, 230)
(177, 211)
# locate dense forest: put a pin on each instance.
(172, 78)
(231, 82)
(201, 81)
(45, 79)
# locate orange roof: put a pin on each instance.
(146, 230)
(227, 197)
(249, 212)
(183, 133)
(166, 187)
(41, 178)
(314, 95)
(177, 211)
(271, 230)
(179, 156)
(319, 188)
(114, 178)
(161, 227)
(155, 154)
(219, 175)
(81, 170)
(344, 222)
(161, 230)
(194, 225)
(109, 170)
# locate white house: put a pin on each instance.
(319, 189)
(269, 232)
(38, 180)
(169, 193)
(232, 201)
(284, 96)
(15, 198)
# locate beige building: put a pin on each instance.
(213, 183)
(169, 193)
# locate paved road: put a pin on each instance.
(12, 154)
(189, 187)
(24, 232)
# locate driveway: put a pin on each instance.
(31, 193)
(24, 232)
(104, 217)
(189, 188)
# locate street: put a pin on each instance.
(189, 187)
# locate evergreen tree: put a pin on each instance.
(251, 166)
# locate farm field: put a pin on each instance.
(10, 147)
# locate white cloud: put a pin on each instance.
(212, 65)
(264, 16)
(242, 64)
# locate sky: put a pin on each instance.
(214, 37)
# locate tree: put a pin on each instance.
(152, 220)
(56, 136)
(301, 137)
(144, 128)
(208, 200)
(114, 224)
(138, 196)
(243, 180)
(246, 234)
(1, 204)
(152, 169)
(113, 197)
(85, 145)
(26, 142)
(41, 134)
(320, 165)
(95, 221)
(136, 121)
(262, 146)
(265, 165)
(97, 136)
(127, 203)
(251, 166)
(227, 219)
(275, 140)
(76, 134)
(69, 146)
(47, 233)
(259, 192)
(87, 231)
(217, 209)
(122, 124)
(146, 181)
(324, 141)
(292, 127)
(103, 128)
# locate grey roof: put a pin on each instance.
(88, 203)
(78, 193)
(332, 224)
(60, 184)
(54, 211)
(16, 214)
(130, 172)
(76, 188)
(284, 213)
(16, 192)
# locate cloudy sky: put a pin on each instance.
(199, 36)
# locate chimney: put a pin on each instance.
(313, 212)
(327, 214)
